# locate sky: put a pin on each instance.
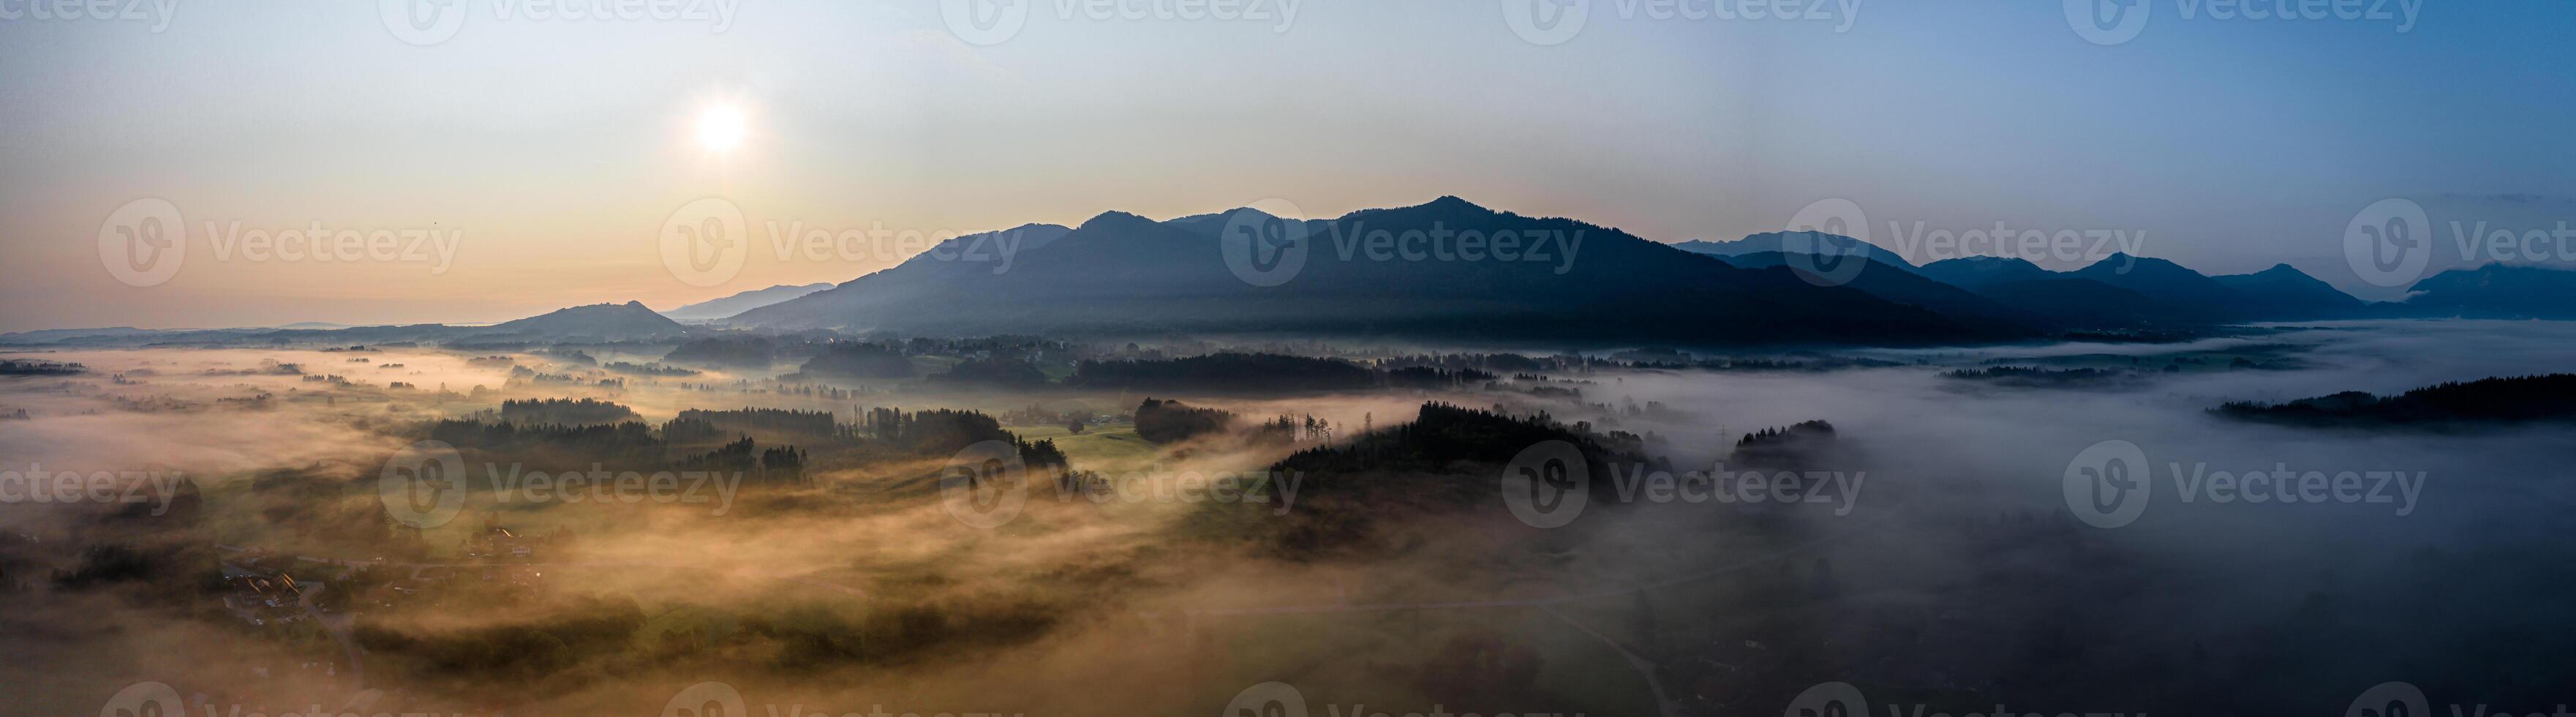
(504, 160)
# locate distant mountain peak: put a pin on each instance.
(610, 321)
(745, 301)
(1796, 242)
(1452, 202)
(1113, 219)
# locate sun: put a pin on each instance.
(721, 127)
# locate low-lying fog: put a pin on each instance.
(1956, 568)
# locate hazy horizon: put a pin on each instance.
(552, 150)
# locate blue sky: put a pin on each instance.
(556, 149)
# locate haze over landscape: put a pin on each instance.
(1286, 359)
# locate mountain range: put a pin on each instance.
(719, 308)
(1450, 269)
(1371, 273)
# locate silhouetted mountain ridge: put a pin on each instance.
(1394, 271)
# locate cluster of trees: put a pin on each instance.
(649, 369)
(1445, 436)
(857, 360)
(745, 420)
(734, 351)
(1446, 459)
(564, 411)
(1010, 373)
(1288, 429)
(1163, 421)
(1035, 415)
(941, 430)
(625, 443)
(2502, 399)
(1433, 377)
(1497, 363)
(27, 367)
(1790, 447)
(781, 464)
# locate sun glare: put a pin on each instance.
(721, 127)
